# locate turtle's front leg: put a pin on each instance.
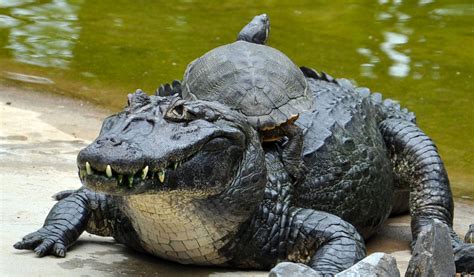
(65, 222)
(292, 152)
(323, 241)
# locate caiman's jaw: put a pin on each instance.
(112, 182)
(159, 144)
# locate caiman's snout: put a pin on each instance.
(121, 156)
(109, 161)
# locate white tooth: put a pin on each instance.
(145, 172)
(130, 181)
(175, 165)
(120, 178)
(161, 175)
(82, 173)
(108, 171)
(88, 168)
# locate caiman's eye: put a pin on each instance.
(178, 111)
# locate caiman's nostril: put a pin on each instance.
(111, 141)
(115, 141)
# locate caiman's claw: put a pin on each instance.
(43, 242)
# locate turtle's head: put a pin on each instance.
(257, 31)
(162, 144)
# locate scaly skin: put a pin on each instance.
(279, 231)
(348, 169)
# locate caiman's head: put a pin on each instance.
(165, 143)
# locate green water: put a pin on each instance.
(420, 53)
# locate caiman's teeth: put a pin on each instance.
(120, 178)
(161, 175)
(144, 172)
(108, 171)
(88, 168)
(82, 173)
(130, 181)
(175, 165)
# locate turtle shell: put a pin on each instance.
(257, 80)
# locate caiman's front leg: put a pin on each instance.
(416, 162)
(280, 232)
(79, 211)
(323, 241)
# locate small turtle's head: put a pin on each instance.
(162, 144)
(257, 31)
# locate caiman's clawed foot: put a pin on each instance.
(45, 241)
(64, 224)
(464, 258)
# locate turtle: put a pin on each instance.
(258, 81)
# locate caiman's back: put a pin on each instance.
(349, 171)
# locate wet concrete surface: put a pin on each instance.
(40, 136)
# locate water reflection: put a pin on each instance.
(393, 40)
(367, 68)
(13, 3)
(7, 21)
(46, 33)
(401, 62)
(455, 10)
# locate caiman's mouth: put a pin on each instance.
(154, 176)
(110, 181)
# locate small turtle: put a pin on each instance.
(258, 81)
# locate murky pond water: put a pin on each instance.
(419, 52)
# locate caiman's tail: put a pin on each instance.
(417, 164)
(421, 182)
